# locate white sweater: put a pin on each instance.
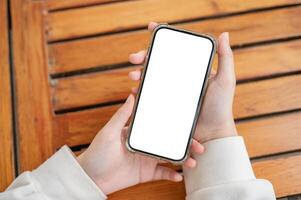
(223, 172)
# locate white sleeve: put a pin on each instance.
(59, 178)
(224, 172)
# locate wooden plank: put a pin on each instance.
(80, 127)
(97, 51)
(254, 62)
(63, 4)
(133, 14)
(267, 96)
(93, 88)
(263, 136)
(267, 60)
(271, 135)
(164, 190)
(7, 172)
(251, 99)
(284, 173)
(31, 81)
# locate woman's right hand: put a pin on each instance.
(216, 117)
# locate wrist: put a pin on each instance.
(206, 134)
(88, 168)
(98, 173)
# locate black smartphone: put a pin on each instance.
(170, 93)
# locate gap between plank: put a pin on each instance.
(13, 94)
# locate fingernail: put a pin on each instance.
(135, 90)
(178, 177)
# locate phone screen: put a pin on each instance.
(170, 95)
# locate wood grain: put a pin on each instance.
(263, 136)
(271, 135)
(63, 4)
(267, 60)
(284, 173)
(40, 131)
(156, 190)
(34, 117)
(267, 96)
(7, 168)
(80, 127)
(251, 99)
(133, 14)
(92, 88)
(113, 49)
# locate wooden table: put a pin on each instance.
(70, 65)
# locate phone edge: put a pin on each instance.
(204, 90)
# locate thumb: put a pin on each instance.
(123, 114)
(225, 71)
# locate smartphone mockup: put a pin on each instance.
(170, 93)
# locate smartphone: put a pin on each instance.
(170, 93)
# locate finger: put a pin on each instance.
(190, 163)
(135, 75)
(165, 173)
(212, 74)
(125, 131)
(225, 71)
(135, 90)
(137, 58)
(197, 147)
(120, 118)
(152, 26)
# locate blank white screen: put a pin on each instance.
(170, 93)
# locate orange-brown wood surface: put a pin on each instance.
(151, 191)
(133, 14)
(267, 96)
(112, 49)
(271, 135)
(93, 88)
(268, 60)
(31, 81)
(71, 129)
(7, 168)
(71, 64)
(284, 174)
(63, 4)
(251, 99)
